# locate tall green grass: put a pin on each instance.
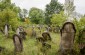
(30, 46)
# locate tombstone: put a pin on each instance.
(33, 33)
(49, 29)
(17, 43)
(17, 31)
(46, 28)
(58, 29)
(39, 28)
(55, 30)
(23, 35)
(46, 45)
(82, 42)
(40, 39)
(43, 40)
(21, 29)
(67, 38)
(46, 36)
(6, 30)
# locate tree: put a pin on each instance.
(5, 4)
(8, 13)
(82, 21)
(25, 13)
(58, 19)
(8, 17)
(69, 7)
(79, 24)
(36, 15)
(54, 7)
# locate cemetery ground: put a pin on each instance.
(30, 45)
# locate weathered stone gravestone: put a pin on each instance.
(17, 31)
(20, 31)
(6, 30)
(46, 29)
(49, 29)
(17, 43)
(67, 38)
(33, 33)
(82, 42)
(39, 27)
(56, 29)
(44, 40)
(46, 36)
(23, 35)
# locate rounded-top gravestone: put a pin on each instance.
(46, 36)
(17, 43)
(67, 38)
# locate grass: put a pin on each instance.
(30, 45)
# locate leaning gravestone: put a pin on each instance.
(17, 43)
(67, 38)
(46, 36)
(82, 42)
